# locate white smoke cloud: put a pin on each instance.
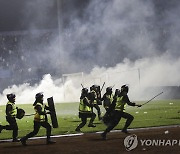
(118, 32)
(154, 72)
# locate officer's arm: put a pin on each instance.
(39, 110)
(129, 102)
(126, 99)
(112, 105)
(103, 98)
(47, 107)
(8, 110)
(85, 101)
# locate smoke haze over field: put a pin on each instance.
(119, 42)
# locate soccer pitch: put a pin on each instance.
(155, 113)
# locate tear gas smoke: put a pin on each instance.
(118, 41)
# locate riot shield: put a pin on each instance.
(52, 112)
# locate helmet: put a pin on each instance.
(94, 87)
(10, 96)
(124, 88)
(109, 89)
(91, 95)
(39, 95)
(117, 92)
(84, 90)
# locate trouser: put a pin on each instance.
(117, 117)
(12, 126)
(84, 117)
(37, 126)
(96, 106)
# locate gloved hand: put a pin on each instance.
(138, 105)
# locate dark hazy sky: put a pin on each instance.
(101, 33)
(13, 15)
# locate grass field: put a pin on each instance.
(155, 113)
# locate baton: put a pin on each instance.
(29, 114)
(102, 86)
(152, 99)
(82, 85)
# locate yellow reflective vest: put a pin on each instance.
(83, 108)
(13, 112)
(38, 117)
(120, 104)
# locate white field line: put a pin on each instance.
(80, 134)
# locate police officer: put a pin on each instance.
(119, 103)
(40, 119)
(85, 109)
(11, 113)
(96, 91)
(107, 98)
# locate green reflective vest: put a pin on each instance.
(13, 112)
(120, 105)
(38, 117)
(83, 108)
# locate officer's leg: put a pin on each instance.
(12, 126)
(129, 120)
(37, 126)
(96, 106)
(48, 132)
(112, 124)
(92, 116)
(83, 117)
(1, 128)
(8, 127)
(15, 130)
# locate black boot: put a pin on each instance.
(15, 140)
(103, 135)
(124, 130)
(50, 142)
(23, 141)
(1, 128)
(77, 129)
(91, 125)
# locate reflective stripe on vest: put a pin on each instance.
(38, 117)
(13, 112)
(120, 105)
(83, 107)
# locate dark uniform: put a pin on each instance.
(96, 91)
(11, 112)
(107, 98)
(119, 102)
(85, 109)
(40, 119)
